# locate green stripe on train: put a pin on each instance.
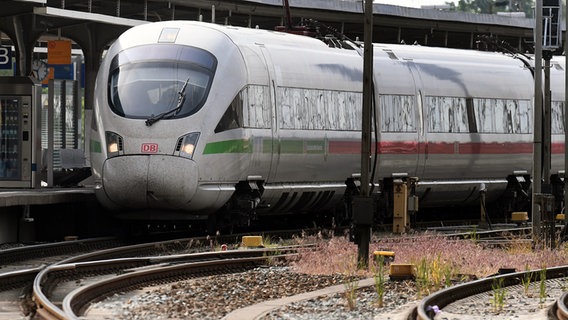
(292, 146)
(286, 146)
(229, 146)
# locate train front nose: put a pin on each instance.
(150, 181)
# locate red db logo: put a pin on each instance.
(149, 148)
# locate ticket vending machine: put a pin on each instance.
(20, 132)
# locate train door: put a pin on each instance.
(273, 147)
(421, 136)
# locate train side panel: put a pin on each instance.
(478, 130)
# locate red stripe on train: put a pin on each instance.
(411, 147)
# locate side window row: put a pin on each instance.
(465, 115)
(316, 109)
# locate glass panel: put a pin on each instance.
(9, 138)
(525, 117)
(503, 116)
(315, 109)
(484, 120)
(258, 106)
(557, 114)
(397, 113)
(447, 114)
(148, 80)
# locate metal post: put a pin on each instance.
(546, 125)
(537, 140)
(50, 134)
(367, 98)
(363, 230)
(482, 202)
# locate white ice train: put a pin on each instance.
(195, 120)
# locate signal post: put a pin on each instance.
(363, 204)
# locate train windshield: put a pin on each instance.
(148, 81)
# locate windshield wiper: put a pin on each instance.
(153, 119)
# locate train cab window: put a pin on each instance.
(233, 117)
(397, 113)
(250, 108)
(150, 80)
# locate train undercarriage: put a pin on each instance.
(397, 201)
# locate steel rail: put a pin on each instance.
(13, 255)
(560, 310)
(75, 303)
(446, 296)
(48, 278)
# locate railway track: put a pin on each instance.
(35, 279)
(65, 289)
(560, 308)
(451, 301)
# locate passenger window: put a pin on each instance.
(557, 117)
(447, 115)
(503, 115)
(398, 113)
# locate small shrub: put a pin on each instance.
(526, 280)
(473, 236)
(379, 276)
(448, 274)
(499, 293)
(542, 291)
(351, 284)
(422, 279)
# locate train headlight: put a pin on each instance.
(186, 145)
(113, 144)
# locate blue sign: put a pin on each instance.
(62, 71)
(5, 58)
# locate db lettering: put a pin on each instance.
(149, 148)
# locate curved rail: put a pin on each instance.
(25, 253)
(50, 277)
(75, 303)
(560, 310)
(446, 296)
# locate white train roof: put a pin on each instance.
(398, 68)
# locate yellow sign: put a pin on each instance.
(59, 52)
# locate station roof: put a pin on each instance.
(392, 23)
